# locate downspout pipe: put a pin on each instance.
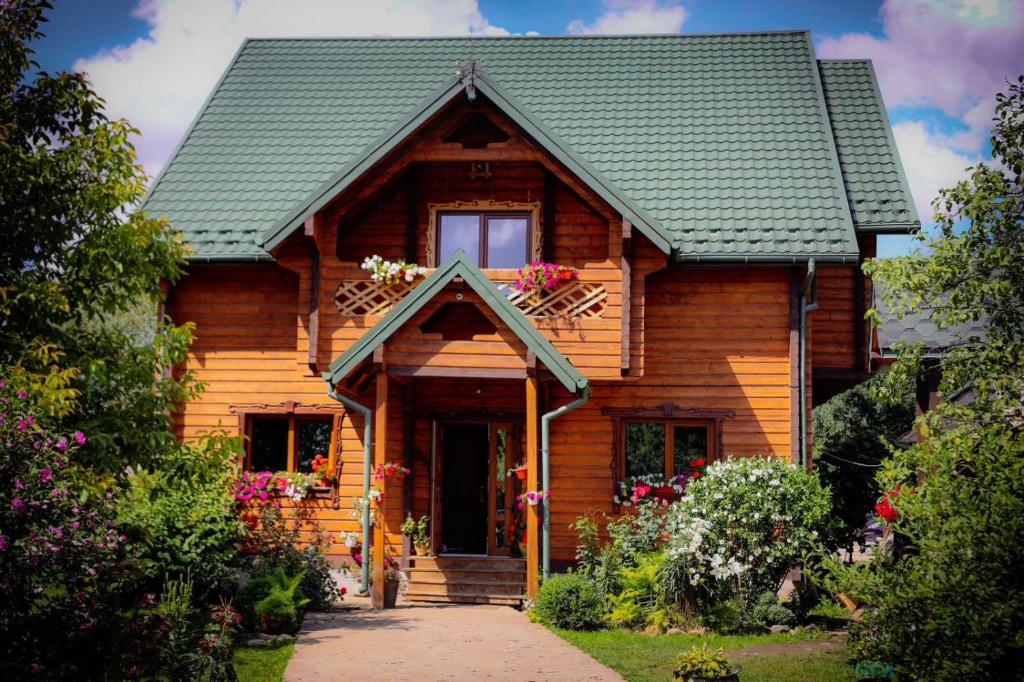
(364, 584)
(808, 304)
(545, 471)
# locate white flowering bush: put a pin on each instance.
(391, 272)
(742, 526)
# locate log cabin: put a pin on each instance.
(708, 200)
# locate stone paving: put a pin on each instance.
(434, 642)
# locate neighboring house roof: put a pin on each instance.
(917, 327)
(459, 266)
(723, 143)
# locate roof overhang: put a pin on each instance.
(459, 266)
(380, 149)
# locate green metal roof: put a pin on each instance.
(459, 266)
(723, 143)
(875, 183)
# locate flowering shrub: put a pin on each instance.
(742, 526)
(389, 272)
(539, 276)
(62, 557)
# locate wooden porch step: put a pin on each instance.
(466, 579)
(467, 587)
(481, 598)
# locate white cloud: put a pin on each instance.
(930, 162)
(159, 81)
(632, 16)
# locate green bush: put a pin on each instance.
(635, 535)
(184, 517)
(280, 611)
(726, 617)
(768, 611)
(570, 602)
(635, 605)
(318, 584)
(741, 527)
(848, 447)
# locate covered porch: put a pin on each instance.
(455, 386)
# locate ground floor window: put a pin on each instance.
(666, 441)
(666, 447)
(287, 442)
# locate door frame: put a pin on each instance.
(513, 424)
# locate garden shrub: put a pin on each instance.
(279, 612)
(318, 584)
(184, 516)
(570, 602)
(850, 434)
(607, 571)
(768, 611)
(634, 606)
(637, 534)
(726, 616)
(741, 527)
(589, 549)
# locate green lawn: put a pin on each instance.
(262, 664)
(642, 658)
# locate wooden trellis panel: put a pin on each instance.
(366, 297)
(574, 300)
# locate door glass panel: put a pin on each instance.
(645, 448)
(506, 242)
(459, 231)
(500, 478)
(269, 444)
(690, 444)
(314, 439)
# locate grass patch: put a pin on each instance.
(643, 658)
(262, 664)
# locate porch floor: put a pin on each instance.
(435, 642)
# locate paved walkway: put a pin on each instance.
(435, 643)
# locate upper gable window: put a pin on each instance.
(490, 240)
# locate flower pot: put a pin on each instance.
(390, 593)
(423, 550)
(521, 474)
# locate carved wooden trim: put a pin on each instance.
(284, 408)
(485, 206)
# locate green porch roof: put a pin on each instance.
(724, 142)
(459, 266)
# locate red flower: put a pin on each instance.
(886, 511)
(344, 591)
(696, 474)
(697, 463)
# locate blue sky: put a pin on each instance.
(939, 62)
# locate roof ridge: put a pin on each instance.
(617, 36)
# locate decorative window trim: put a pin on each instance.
(484, 206)
(664, 413)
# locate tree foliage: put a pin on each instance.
(851, 432)
(951, 606)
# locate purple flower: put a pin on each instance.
(22, 425)
(22, 394)
(3, 543)
(45, 475)
(79, 437)
(62, 444)
(18, 505)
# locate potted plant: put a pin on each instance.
(519, 471)
(392, 580)
(419, 533)
(702, 663)
(322, 476)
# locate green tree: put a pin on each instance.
(851, 432)
(77, 261)
(951, 606)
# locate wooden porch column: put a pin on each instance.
(532, 469)
(380, 446)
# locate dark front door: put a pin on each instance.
(464, 488)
